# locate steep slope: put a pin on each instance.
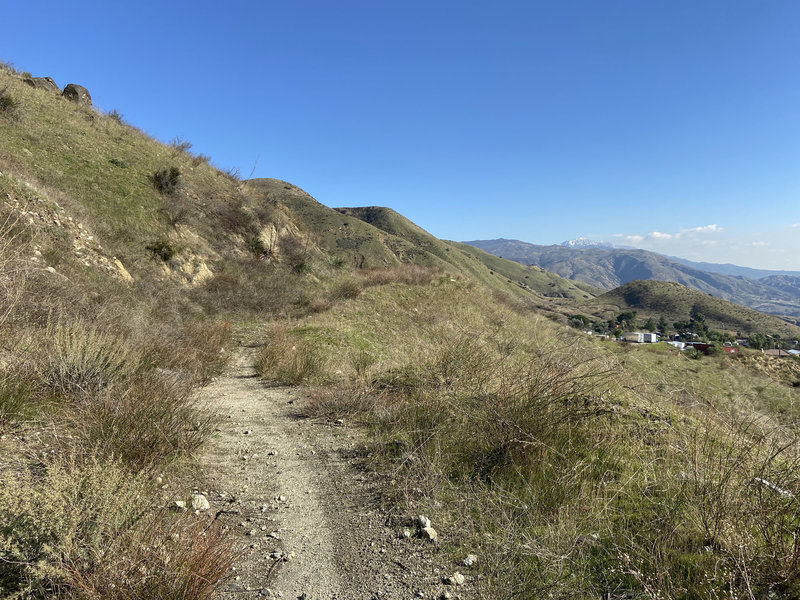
(677, 302)
(610, 268)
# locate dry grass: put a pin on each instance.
(287, 359)
(87, 530)
(571, 469)
(406, 274)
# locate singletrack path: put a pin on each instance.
(305, 517)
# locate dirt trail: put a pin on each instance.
(306, 518)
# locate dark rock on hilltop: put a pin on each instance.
(43, 83)
(78, 94)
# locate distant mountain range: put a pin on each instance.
(773, 292)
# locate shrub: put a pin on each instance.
(89, 531)
(66, 519)
(166, 180)
(82, 358)
(8, 104)
(116, 116)
(347, 289)
(144, 424)
(161, 249)
(180, 145)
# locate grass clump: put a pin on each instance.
(8, 104)
(166, 180)
(288, 359)
(84, 358)
(162, 250)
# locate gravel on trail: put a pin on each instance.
(305, 515)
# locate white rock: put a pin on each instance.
(454, 579)
(200, 502)
(178, 506)
(423, 521)
(429, 533)
(470, 560)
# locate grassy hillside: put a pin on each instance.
(609, 268)
(374, 237)
(677, 302)
(573, 468)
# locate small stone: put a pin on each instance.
(244, 457)
(248, 431)
(429, 533)
(446, 596)
(406, 533)
(423, 521)
(178, 506)
(454, 579)
(200, 502)
(470, 560)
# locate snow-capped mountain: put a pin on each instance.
(582, 242)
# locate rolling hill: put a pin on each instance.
(608, 268)
(677, 302)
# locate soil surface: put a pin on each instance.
(305, 514)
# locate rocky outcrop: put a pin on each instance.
(43, 83)
(78, 94)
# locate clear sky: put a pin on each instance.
(672, 125)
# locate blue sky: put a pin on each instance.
(672, 125)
